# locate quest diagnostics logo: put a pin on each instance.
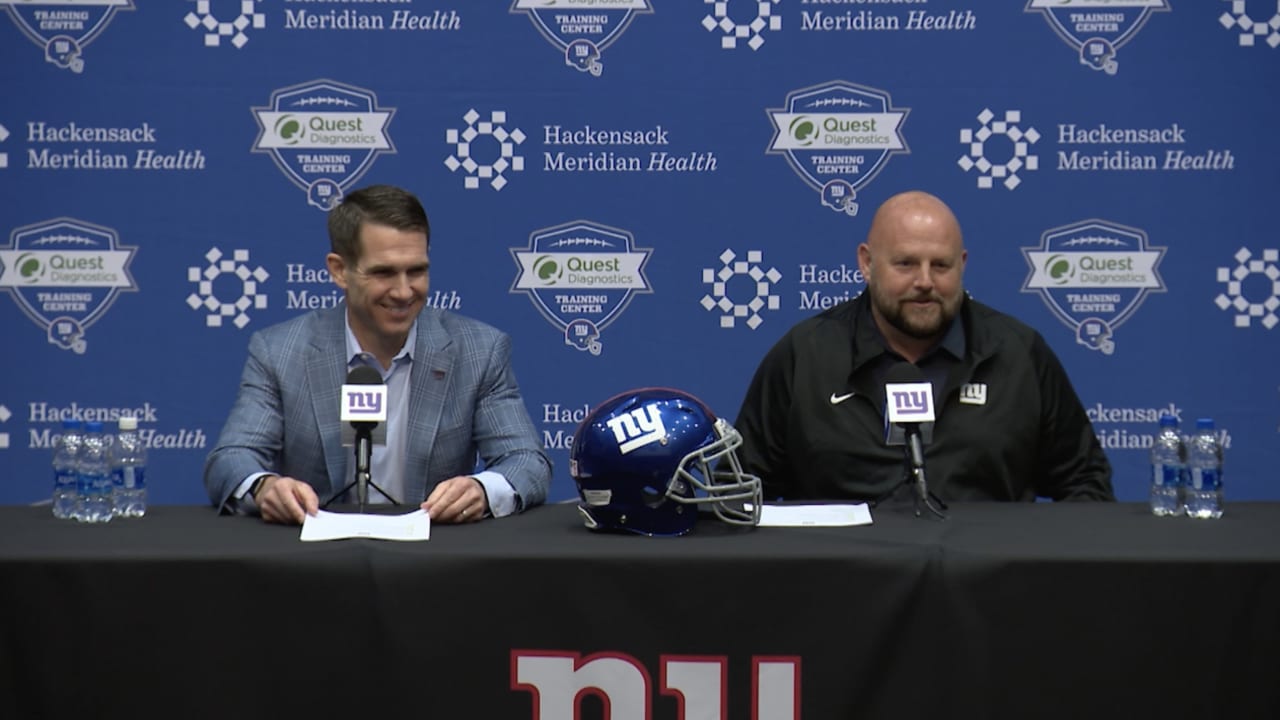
(1094, 275)
(64, 28)
(582, 30)
(1097, 29)
(837, 137)
(581, 276)
(65, 274)
(324, 136)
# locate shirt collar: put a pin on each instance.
(953, 341)
(357, 356)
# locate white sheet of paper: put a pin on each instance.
(337, 526)
(814, 515)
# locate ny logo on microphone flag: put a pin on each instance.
(364, 403)
(909, 402)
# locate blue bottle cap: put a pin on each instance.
(93, 426)
(1168, 420)
(1204, 423)
(70, 424)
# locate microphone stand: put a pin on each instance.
(363, 452)
(364, 477)
(914, 475)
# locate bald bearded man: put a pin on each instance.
(1009, 424)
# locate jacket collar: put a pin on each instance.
(980, 340)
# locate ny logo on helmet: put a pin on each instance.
(637, 428)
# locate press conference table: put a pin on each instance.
(1001, 611)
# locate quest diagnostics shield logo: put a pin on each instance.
(581, 275)
(580, 30)
(838, 137)
(1097, 29)
(64, 28)
(65, 274)
(1093, 275)
(324, 136)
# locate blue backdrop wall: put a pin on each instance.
(641, 192)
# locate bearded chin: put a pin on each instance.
(917, 330)
(918, 326)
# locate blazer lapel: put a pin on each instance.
(326, 370)
(433, 363)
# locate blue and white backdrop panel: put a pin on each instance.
(641, 192)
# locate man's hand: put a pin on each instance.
(286, 500)
(457, 500)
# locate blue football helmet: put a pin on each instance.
(646, 460)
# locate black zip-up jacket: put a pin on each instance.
(813, 427)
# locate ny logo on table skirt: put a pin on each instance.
(699, 683)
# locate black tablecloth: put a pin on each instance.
(1001, 611)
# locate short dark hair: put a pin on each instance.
(377, 204)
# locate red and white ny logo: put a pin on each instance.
(559, 680)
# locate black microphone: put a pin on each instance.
(903, 404)
(363, 375)
(903, 372)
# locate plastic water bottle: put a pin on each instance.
(129, 470)
(1204, 457)
(96, 503)
(66, 455)
(1168, 468)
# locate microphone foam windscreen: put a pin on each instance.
(364, 375)
(903, 372)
